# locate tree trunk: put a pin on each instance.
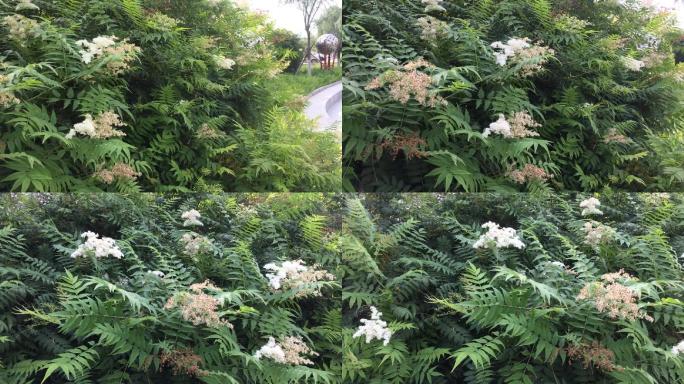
(308, 45)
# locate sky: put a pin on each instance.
(286, 16)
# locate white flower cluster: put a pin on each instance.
(194, 244)
(271, 350)
(290, 350)
(590, 207)
(85, 128)
(224, 62)
(500, 127)
(282, 272)
(95, 48)
(159, 274)
(498, 237)
(374, 328)
(26, 5)
(509, 49)
(191, 218)
(433, 6)
(597, 233)
(679, 348)
(296, 275)
(98, 247)
(633, 65)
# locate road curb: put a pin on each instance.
(321, 89)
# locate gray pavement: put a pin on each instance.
(325, 106)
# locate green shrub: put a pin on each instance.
(158, 108)
(183, 303)
(551, 310)
(584, 97)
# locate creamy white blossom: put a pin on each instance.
(679, 348)
(633, 64)
(498, 237)
(23, 5)
(191, 218)
(590, 207)
(500, 127)
(433, 6)
(508, 49)
(224, 62)
(85, 128)
(159, 274)
(271, 350)
(98, 247)
(374, 328)
(95, 48)
(287, 268)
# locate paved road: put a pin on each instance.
(325, 106)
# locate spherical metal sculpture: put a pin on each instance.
(328, 47)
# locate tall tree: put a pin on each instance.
(330, 21)
(310, 9)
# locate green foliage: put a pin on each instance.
(600, 123)
(108, 320)
(506, 315)
(184, 107)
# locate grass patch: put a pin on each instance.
(288, 87)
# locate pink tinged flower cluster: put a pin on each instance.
(613, 136)
(97, 246)
(101, 127)
(374, 328)
(295, 275)
(612, 297)
(289, 350)
(498, 237)
(597, 233)
(408, 82)
(198, 307)
(590, 206)
(191, 218)
(120, 171)
(528, 173)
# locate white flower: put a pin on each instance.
(501, 127)
(374, 328)
(498, 237)
(98, 247)
(557, 264)
(590, 207)
(433, 5)
(633, 64)
(224, 62)
(191, 218)
(287, 268)
(86, 128)
(159, 274)
(679, 348)
(95, 48)
(271, 350)
(510, 48)
(26, 5)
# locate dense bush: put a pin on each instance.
(557, 308)
(183, 303)
(510, 95)
(160, 95)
